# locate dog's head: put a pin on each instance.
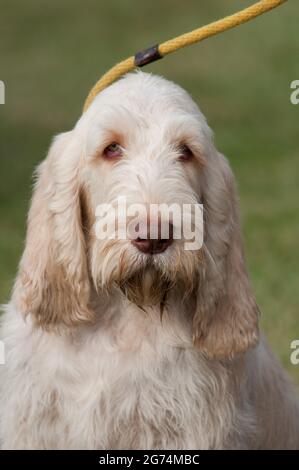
(143, 142)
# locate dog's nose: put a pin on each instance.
(154, 246)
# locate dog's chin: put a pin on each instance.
(147, 286)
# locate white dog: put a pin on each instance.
(137, 343)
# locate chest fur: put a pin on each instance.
(132, 388)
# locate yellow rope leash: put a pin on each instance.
(159, 51)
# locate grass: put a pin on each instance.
(52, 53)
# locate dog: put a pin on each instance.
(138, 343)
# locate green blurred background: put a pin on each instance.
(52, 52)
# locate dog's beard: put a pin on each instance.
(143, 281)
(147, 286)
(152, 283)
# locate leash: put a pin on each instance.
(161, 50)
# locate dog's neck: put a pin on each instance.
(127, 321)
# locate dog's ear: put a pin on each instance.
(226, 318)
(52, 285)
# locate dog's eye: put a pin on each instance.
(185, 153)
(113, 150)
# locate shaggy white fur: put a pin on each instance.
(108, 347)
